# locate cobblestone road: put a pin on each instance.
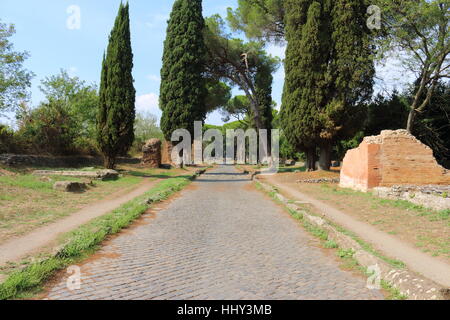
(220, 239)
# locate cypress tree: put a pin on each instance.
(115, 121)
(263, 88)
(329, 74)
(298, 118)
(351, 73)
(183, 87)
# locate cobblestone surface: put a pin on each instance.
(219, 240)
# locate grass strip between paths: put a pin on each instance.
(349, 262)
(85, 240)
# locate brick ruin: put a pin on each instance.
(393, 158)
(152, 153)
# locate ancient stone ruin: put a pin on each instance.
(152, 153)
(103, 175)
(393, 158)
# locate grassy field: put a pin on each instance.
(28, 202)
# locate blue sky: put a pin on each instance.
(42, 31)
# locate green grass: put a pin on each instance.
(394, 293)
(150, 173)
(321, 234)
(367, 247)
(27, 182)
(86, 239)
(291, 169)
(4, 197)
(316, 231)
(331, 244)
(421, 211)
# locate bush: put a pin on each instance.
(10, 142)
(49, 129)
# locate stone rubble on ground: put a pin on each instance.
(432, 197)
(100, 174)
(289, 163)
(68, 186)
(320, 180)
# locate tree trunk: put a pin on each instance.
(109, 162)
(325, 156)
(311, 159)
(411, 118)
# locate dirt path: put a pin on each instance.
(416, 260)
(17, 248)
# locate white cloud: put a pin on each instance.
(148, 103)
(72, 71)
(157, 20)
(154, 77)
(277, 51)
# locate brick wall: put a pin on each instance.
(392, 158)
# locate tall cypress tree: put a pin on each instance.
(297, 117)
(115, 122)
(263, 88)
(183, 87)
(350, 75)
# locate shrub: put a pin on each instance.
(10, 141)
(49, 129)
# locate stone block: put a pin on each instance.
(67, 186)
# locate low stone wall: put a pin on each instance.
(18, 160)
(432, 197)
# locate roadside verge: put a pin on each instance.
(393, 273)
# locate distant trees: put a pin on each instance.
(15, 80)
(432, 126)
(259, 19)
(391, 112)
(65, 122)
(219, 93)
(145, 128)
(183, 86)
(243, 65)
(115, 120)
(418, 31)
(49, 128)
